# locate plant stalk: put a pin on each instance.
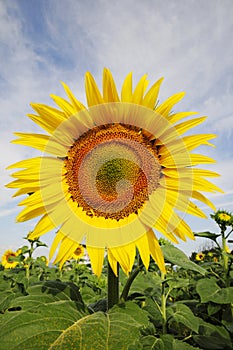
(113, 287)
(133, 275)
(163, 303)
(225, 257)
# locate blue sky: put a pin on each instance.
(48, 41)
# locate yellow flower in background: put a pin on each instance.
(200, 256)
(78, 253)
(8, 259)
(112, 172)
(44, 259)
(224, 217)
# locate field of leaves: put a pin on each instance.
(189, 307)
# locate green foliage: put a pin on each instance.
(190, 307)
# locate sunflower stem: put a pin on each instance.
(133, 275)
(163, 303)
(225, 256)
(113, 287)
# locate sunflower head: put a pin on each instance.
(112, 172)
(200, 256)
(8, 259)
(223, 218)
(78, 253)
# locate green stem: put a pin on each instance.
(225, 257)
(27, 272)
(125, 292)
(163, 303)
(113, 287)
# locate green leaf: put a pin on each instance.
(212, 337)
(5, 300)
(48, 292)
(177, 257)
(153, 311)
(38, 327)
(58, 290)
(178, 283)
(118, 329)
(147, 283)
(166, 342)
(181, 313)
(152, 343)
(208, 290)
(170, 343)
(207, 234)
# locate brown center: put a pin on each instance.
(111, 170)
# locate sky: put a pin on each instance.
(45, 42)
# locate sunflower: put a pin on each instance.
(222, 217)
(78, 253)
(200, 256)
(8, 259)
(112, 172)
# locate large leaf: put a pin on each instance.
(208, 290)
(212, 337)
(147, 283)
(116, 330)
(166, 342)
(6, 299)
(38, 327)
(181, 313)
(58, 290)
(177, 257)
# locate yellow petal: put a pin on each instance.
(26, 190)
(173, 118)
(125, 255)
(92, 91)
(181, 202)
(44, 225)
(30, 213)
(48, 118)
(188, 173)
(58, 238)
(27, 163)
(194, 141)
(167, 105)
(38, 141)
(22, 184)
(109, 88)
(126, 92)
(66, 249)
(189, 124)
(143, 248)
(97, 257)
(76, 103)
(199, 196)
(65, 106)
(205, 185)
(139, 90)
(155, 250)
(151, 96)
(184, 144)
(184, 159)
(113, 262)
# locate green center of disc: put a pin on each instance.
(114, 171)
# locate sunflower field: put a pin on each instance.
(188, 307)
